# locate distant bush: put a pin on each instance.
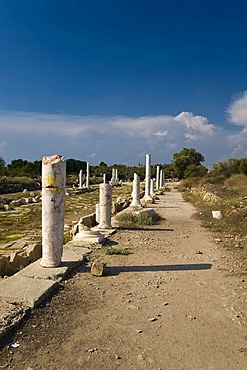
(236, 180)
(18, 180)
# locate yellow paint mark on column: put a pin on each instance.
(50, 181)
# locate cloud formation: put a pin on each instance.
(116, 139)
(237, 111)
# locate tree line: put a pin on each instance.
(185, 164)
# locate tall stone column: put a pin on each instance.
(105, 199)
(116, 177)
(152, 187)
(157, 177)
(161, 179)
(136, 192)
(88, 174)
(53, 200)
(80, 179)
(104, 178)
(147, 195)
(113, 179)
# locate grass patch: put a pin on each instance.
(113, 251)
(66, 237)
(130, 220)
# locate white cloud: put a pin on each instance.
(161, 133)
(197, 124)
(113, 139)
(237, 111)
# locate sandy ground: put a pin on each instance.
(176, 302)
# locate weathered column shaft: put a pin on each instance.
(136, 192)
(157, 177)
(148, 175)
(152, 186)
(88, 174)
(53, 200)
(80, 179)
(161, 179)
(104, 178)
(105, 206)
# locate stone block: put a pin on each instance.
(19, 260)
(5, 266)
(98, 268)
(34, 251)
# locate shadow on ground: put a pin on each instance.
(116, 270)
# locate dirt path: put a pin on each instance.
(174, 303)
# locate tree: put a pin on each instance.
(2, 166)
(75, 165)
(187, 163)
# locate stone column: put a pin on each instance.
(88, 174)
(105, 198)
(157, 177)
(161, 179)
(53, 200)
(147, 195)
(97, 213)
(80, 179)
(152, 187)
(136, 192)
(116, 178)
(104, 178)
(113, 179)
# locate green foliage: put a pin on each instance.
(111, 250)
(18, 180)
(132, 220)
(75, 165)
(187, 163)
(229, 167)
(20, 167)
(66, 238)
(2, 166)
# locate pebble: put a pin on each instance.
(91, 350)
(152, 319)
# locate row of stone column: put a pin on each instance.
(149, 182)
(53, 201)
(85, 183)
(82, 182)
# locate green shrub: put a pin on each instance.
(111, 251)
(129, 219)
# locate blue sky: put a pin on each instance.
(112, 80)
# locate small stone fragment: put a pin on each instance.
(91, 350)
(152, 319)
(141, 357)
(139, 331)
(98, 268)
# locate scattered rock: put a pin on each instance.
(98, 268)
(152, 319)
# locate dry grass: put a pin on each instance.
(232, 228)
(26, 219)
